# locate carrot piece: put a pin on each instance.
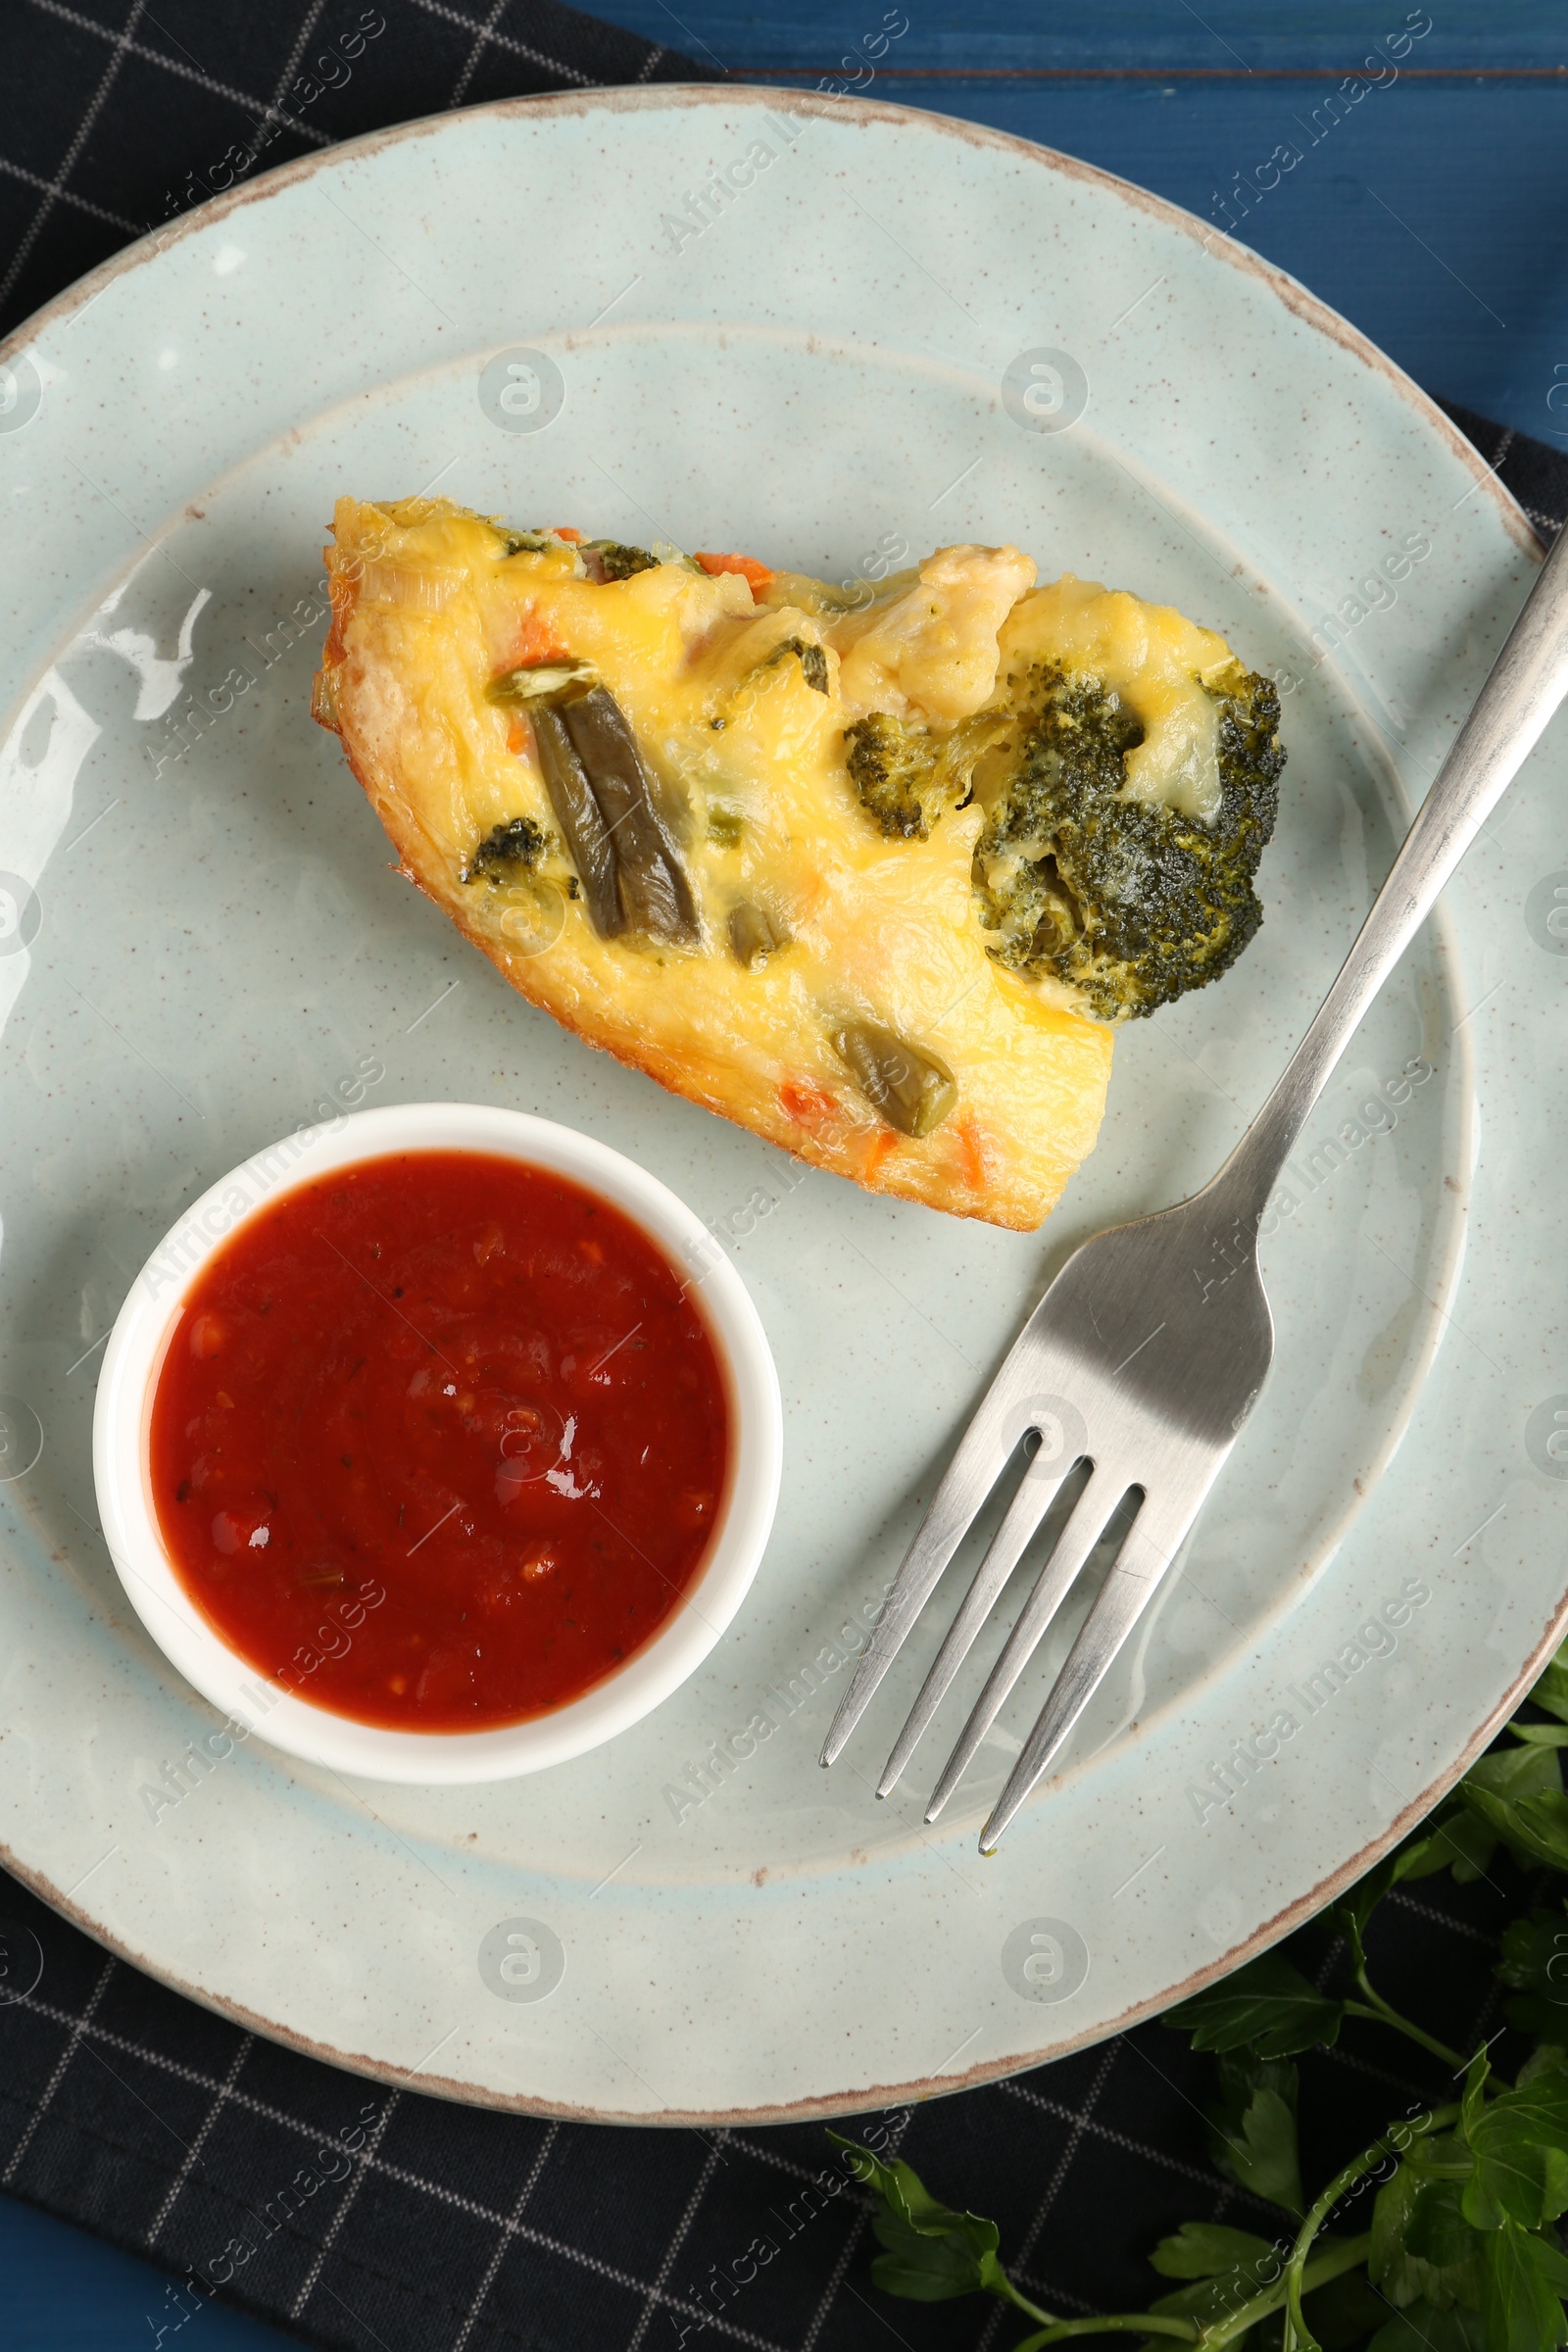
(519, 735)
(807, 1104)
(974, 1155)
(883, 1145)
(564, 530)
(536, 641)
(747, 566)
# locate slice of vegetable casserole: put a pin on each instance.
(873, 872)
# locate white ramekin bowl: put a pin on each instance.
(252, 1703)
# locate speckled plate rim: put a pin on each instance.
(672, 96)
(1319, 318)
(869, 2095)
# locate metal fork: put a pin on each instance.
(1147, 1351)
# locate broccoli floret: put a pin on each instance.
(618, 562)
(894, 769)
(519, 842)
(1131, 901)
(906, 775)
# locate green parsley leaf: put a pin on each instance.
(1213, 2303)
(1512, 1773)
(1268, 2006)
(1522, 2282)
(1518, 1794)
(1402, 2275)
(1206, 2250)
(1340, 2314)
(1520, 2145)
(1460, 1841)
(932, 2252)
(1545, 1822)
(1551, 1690)
(1425, 2329)
(1535, 1965)
(1539, 2107)
(1252, 2135)
(1535, 1828)
(1437, 2233)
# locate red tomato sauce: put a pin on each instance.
(439, 1441)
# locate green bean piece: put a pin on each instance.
(579, 817)
(912, 1090)
(656, 896)
(752, 937)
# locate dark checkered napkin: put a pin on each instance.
(114, 117)
(364, 2217)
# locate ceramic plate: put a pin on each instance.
(825, 335)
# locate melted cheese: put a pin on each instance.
(932, 652)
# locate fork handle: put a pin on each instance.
(1524, 687)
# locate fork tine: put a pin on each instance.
(1038, 1490)
(1134, 1577)
(1088, 1522)
(971, 1473)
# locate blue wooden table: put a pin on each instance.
(1429, 205)
(1432, 210)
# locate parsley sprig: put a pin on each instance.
(1462, 2252)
